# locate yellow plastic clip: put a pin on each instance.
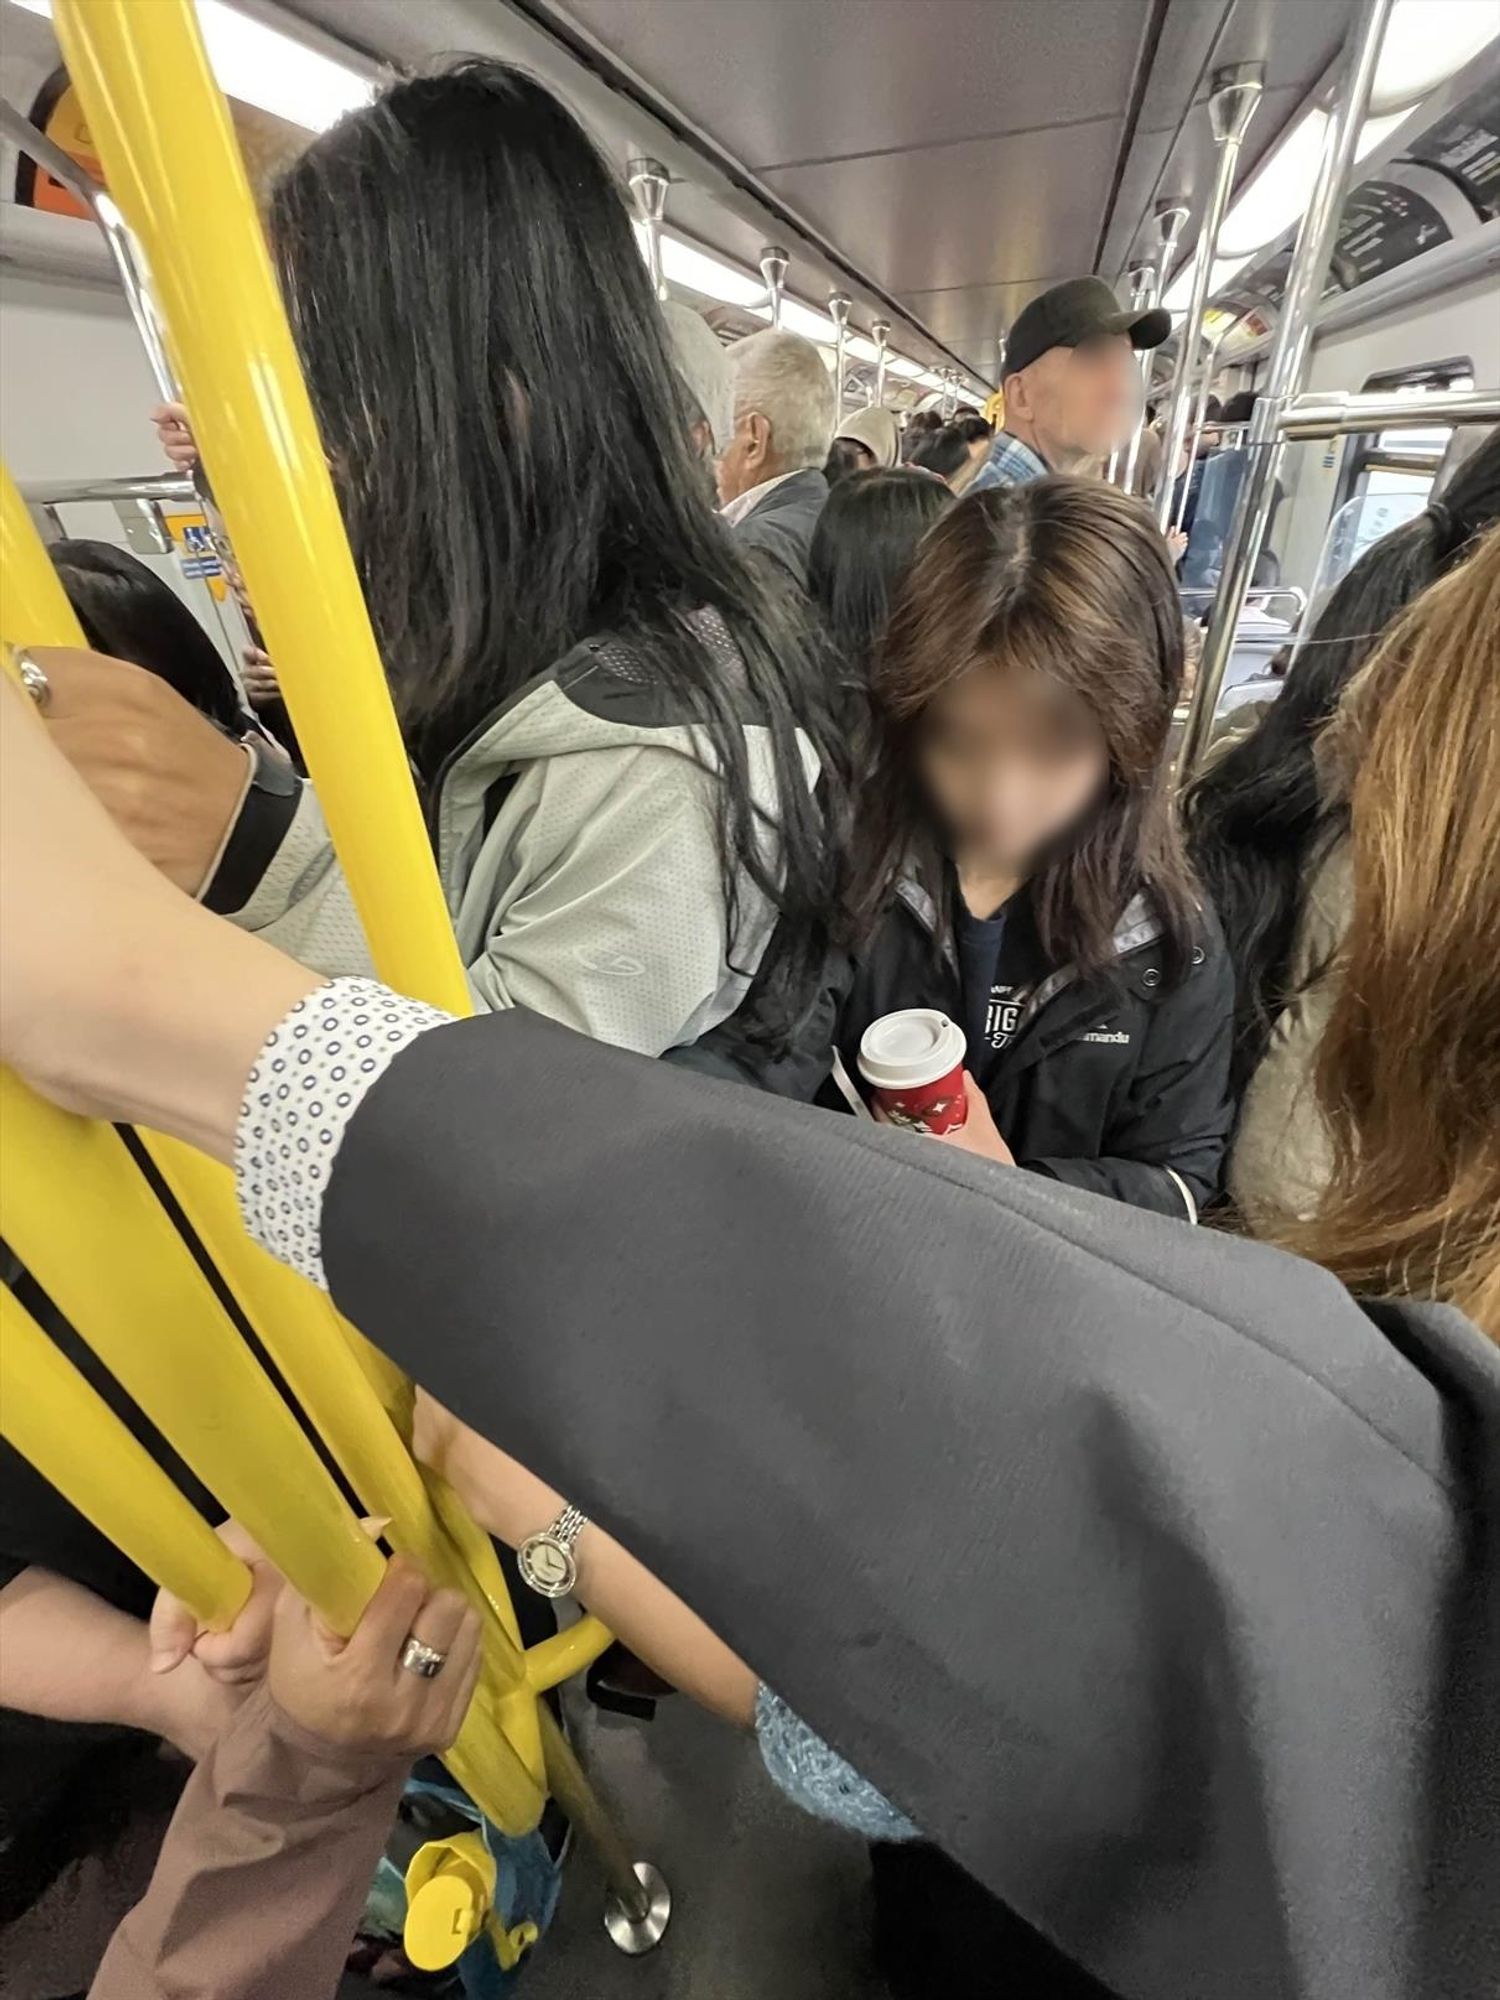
(450, 1896)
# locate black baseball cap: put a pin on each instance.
(1074, 312)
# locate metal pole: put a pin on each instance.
(880, 333)
(950, 395)
(1142, 298)
(1305, 281)
(649, 181)
(1200, 415)
(773, 263)
(1235, 92)
(840, 305)
(1328, 414)
(1171, 219)
(133, 271)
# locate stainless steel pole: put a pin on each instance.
(880, 333)
(1234, 94)
(1200, 415)
(1142, 298)
(1334, 414)
(840, 305)
(1305, 281)
(649, 181)
(1171, 217)
(135, 280)
(773, 263)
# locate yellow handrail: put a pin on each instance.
(61, 1423)
(172, 163)
(179, 179)
(50, 1165)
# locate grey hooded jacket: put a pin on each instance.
(575, 839)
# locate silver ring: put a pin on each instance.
(34, 680)
(424, 1661)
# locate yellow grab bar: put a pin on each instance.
(61, 1423)
(81, 1218)
(173, 164)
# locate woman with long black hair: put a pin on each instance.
(1017, 867)
(618, 727)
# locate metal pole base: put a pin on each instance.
(636, 1935)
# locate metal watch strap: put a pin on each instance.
(546, 1561)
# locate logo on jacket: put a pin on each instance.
(618, 963)
(1117, 1037)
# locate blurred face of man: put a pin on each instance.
(1076, 403)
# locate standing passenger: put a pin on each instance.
(771, 478)
(618, 730)
(1018, 863)
(1071, 382)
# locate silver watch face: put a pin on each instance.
(547, 1565)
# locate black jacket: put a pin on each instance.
(1119, 1085)
(781, 525)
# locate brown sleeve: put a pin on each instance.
(264, 1870)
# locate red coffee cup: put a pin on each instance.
(915, 1061)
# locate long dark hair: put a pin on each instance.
(862, 549)
(132, 614)
(1257, 820)
(510, 441)
(942, 452)
(1067, 578)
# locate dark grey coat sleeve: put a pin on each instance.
(1132, 1562)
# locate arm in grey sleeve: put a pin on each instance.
(1061, 1522)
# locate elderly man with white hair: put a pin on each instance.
(771, 481)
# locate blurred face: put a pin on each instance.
(1076, 403)
(1011, 762)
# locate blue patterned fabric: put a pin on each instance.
(1010, 463)
(818, 1779)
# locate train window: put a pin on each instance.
(1403, 460)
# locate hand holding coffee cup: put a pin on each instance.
(914, 1061)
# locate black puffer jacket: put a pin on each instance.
(1117, 1084)
(1120, 1085)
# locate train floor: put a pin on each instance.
(768, 1904)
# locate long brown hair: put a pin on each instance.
(1066, 578)
(1408, 1072)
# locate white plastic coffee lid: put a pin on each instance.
(903, 1051)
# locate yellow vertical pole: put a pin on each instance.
(83, 1221)
(64, 1427)
(173, 164)
(329, 1368)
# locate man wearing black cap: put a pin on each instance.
(1070, 382)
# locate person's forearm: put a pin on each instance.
(67, 1655)
(264, 1870)
(513, 1503)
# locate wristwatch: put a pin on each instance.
(546, 1561)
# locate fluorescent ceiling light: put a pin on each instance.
(908, 371)
(1180, 291)
(695, 270)
(261, 66)
(1426, 42)
(1278, 193)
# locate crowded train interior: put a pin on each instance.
(750, 999)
